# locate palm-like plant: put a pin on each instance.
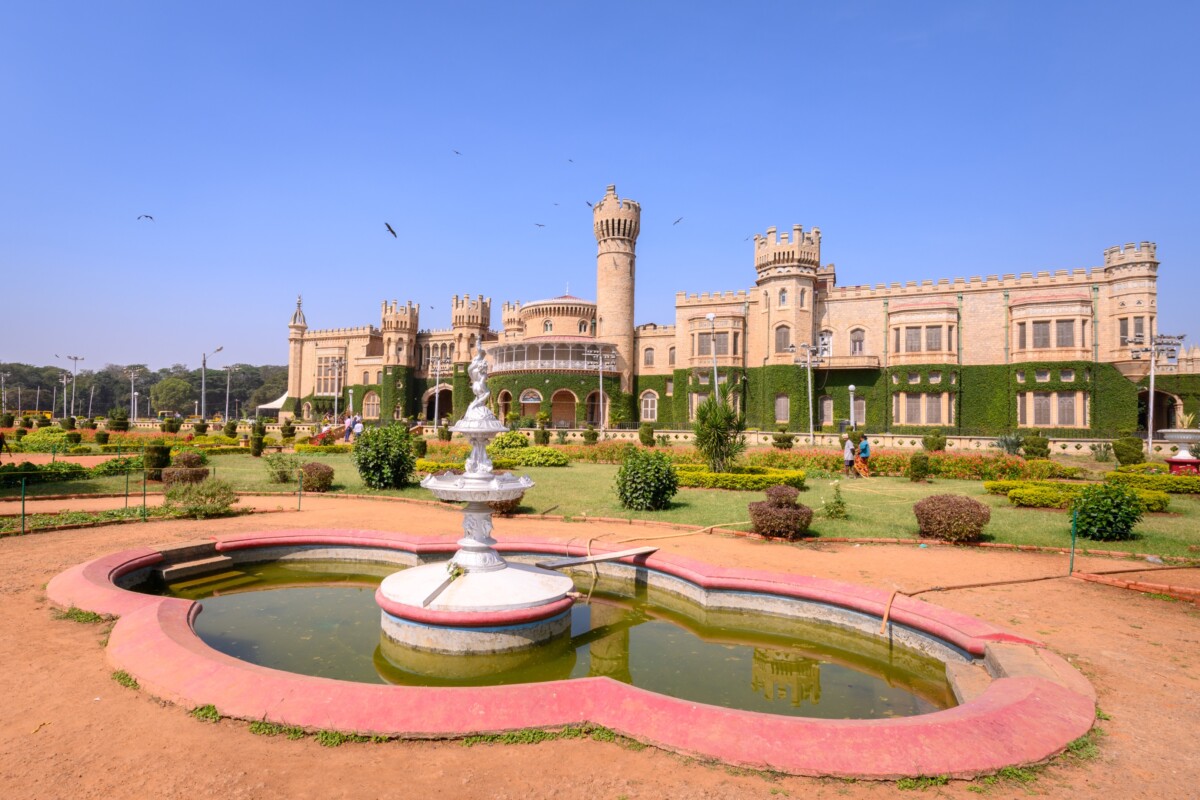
(718, 433)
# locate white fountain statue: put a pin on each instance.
(478, 602)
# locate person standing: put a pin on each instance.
(848, 455)
(349, 423)
(864, 454)
(4, 446)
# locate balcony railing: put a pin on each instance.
(850, 362)
(580, 365)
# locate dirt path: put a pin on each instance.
(68, 730)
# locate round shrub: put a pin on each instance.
(80, 450)
(102, 437)
(951, 517)
(419, 446)
(74, 437)
(1129, 450)
(918, 467)
(43, 422)
(780, 516)
(189, 459)
(287, 430)
(538, 457)
(1036, 446)
(510, 440)
(174, 475)
(646, 481)
(1107, 512)
(67, 423)
(6, 420)
(384, 457)
(590, 435)
(782, 440)
(316, 477)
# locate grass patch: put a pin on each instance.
(265, 728)
(921, 782)
(294, 732)
(125, 679)
(35, 522)
(1159, 596)
(327, 738)
(597, 733)
(207, 713)
(1085, 748)
(79, 615)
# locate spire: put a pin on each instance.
(298, 317)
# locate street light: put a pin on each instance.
(74, 372)
(132, 373)
(809, 352)
(1160, 344)
(852, 426)
(203, 368)
(135, 404)
(712, 322)
(438, 362)
(338, 363)
(599, 353)
(66, 376)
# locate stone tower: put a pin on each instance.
(616, 223)
(470, 320)
(787, 271)
(1132, 298)
(296, 330)
(399, 325)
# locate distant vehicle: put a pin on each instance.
(167, 415)
(45, 414)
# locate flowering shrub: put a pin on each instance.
(384, 457)
(951, 517)
(780, 516)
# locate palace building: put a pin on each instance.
(979, 356)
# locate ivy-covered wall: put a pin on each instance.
(1185, 387)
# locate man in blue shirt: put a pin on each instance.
(864, 454)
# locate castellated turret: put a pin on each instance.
(616, 224)
(399, 325)
(511, 313)
(296, 330)
(775, 255)
(470, 320)
(787, 268)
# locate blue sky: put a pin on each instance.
(272, 141)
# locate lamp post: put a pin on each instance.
(132, 373)
(1155, 346)
(712, 323)
(437, 362)
(203, 369)
(66, 376)
(338, 363)
(4, 393)
(809, 351)
(599, 353)
(74, 372)
(228, 380)
(852, 425)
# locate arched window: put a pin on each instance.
(583, 326)
(366, 377)
(826, 410)
(649, 407)
(648, 357)
(802, 298)
(825, 344)
(783, 408)
(782, 298)
(783, 338)
(858, 340)
(370, 406)
(307, 411)
(379, 376)
(531, 403)
(548, 326)
(671, 356)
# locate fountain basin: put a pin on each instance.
(1031, 705)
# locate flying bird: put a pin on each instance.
(540, 225)
(571, 160)
(146, 216)
(457, 153)
(676, 222)
(588, 202)
(389, 230)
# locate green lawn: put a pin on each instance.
(878, 507)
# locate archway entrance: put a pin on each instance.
(439, 403)
(562, 409)
(1167, 408)
(504, 403)
(593, 409)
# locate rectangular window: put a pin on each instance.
(895, 408)
(1139, 328)
(949, 409)
(1021, 409)
(912, 409)
(670, 386)
(933, 409)
(1041, 408)
(950, 338)
(897, 347)
(705, 342)
(1064, 330)
(1020, 335)
(782, 408)
(1066, 409)
(649, 408)
(1083, 333)
(1041, 334)
(1124, 323)
(933, 338)
(912, 340)
(723, 343)
(735, 343)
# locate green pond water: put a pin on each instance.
(320, 618)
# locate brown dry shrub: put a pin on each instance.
(951, 517)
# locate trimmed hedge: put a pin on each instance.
(434, 467)
(951, 517)
(780, 515)
(1174, 484)
(742, 479)
(1065, 493)
(323, 448)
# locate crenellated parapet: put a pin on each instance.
(682, 299)
(1143, 253)
(468, 313)
(1008, 281)
(801, 250)
(395, 318)
(614, 218)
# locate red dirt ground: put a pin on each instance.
(68, 730)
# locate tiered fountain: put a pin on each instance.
(477, 603)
